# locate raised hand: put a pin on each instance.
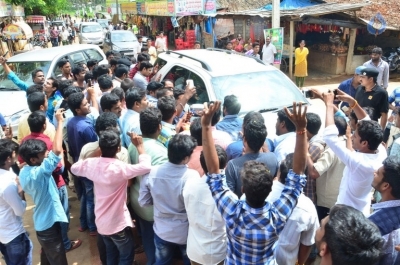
(345, 97)
(298, 116)
(135, 139)
(209, 112)
(60, 115)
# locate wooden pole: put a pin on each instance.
(350, 52)
(291, 42)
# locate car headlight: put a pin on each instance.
(116, 48)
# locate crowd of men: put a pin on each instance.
(214, 188)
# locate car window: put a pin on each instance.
(77, 58)
(180, 75)
(24, 71)
(93, 54)
(123, 36)
(161, 63)
(91, 28)
(57, 70)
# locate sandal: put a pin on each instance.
(93, 233)
(80, 229)
(74, 244)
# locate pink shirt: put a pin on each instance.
(221, 138)
(110, 178)
(194, 162)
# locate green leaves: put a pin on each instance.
(41, 7)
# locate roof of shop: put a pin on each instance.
(389, 9)
(320, 9)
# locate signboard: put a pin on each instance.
(129, 8)
(210, 7)
(188, 7)
(276, 36)
(17, 11)
(5, 9)
(141, 8)
(157, 8)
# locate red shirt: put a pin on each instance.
(133, 71)
(57, 172)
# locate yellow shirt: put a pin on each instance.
(24, 130)
(300, 55)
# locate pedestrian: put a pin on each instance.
(36, 180)
(161, 43)
(300, 71)
(268, 52)
(64, 36)
(50, 88)
(381, 66)
(54, 34)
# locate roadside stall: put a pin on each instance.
(39, 26)
(18, 36)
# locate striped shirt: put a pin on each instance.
(395, 97)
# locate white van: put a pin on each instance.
(91, 33)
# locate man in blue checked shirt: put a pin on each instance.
(253, 225)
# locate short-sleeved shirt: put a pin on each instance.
(268, 53)
(347, 87)
(80, 131)
(377, 98)
(395, 97)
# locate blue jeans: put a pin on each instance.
(63, 193)
(18, 251)
(147, 231)
(54, 42)
(165, 251)
(120, 247)
(87, 205)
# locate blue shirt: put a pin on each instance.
(39, 183)
(395, 97)
(346, 87)
(52, 102)
(2, 120)
(130, 123)
(18, 82)
(252, 232)
(80, 131)
(231, 124)
(235, 149)
(152, 100)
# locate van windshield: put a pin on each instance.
(24, 72)
(91, 28)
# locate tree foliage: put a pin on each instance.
(41, 7)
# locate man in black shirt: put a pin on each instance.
(370, 94)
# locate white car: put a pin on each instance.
(217, 73)
(91, 33)
(13, 100)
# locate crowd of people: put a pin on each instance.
(209, 185)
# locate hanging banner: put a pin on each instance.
(210, 7)
(276, 36)
(157, 8)
(171, 8)
(141, 8)
(129, 8)
(188, 7)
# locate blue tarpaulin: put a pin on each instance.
(291, 4)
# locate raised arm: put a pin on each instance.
(58, 139)
(209, 151)
(12, 76)
(353, 104)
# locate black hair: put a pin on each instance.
(341, 125)
(248, 117)
(313, 123)
(377, 50)
(62, 62)
(63, 84)
(179, 147)
(35, 100)
(145, 65)
(255, 132)
(162, 93)
(257, 182)
(139, 36)
(288, 123)
(166, 80)
(178, 92)
(231, 105)
(150, 120)
(7, 147)
(36, 121)
(126, 84)
(113, 62)
(371, 132)
(216, 117)
(71, 90)
(195, 131)
(144, 49)
(255, 44)
(134, 95)
(167, 107)
(351, 237)
(391, 174)
(153, 86)
(34, 73)
(31, 149)
(91, 62)
(222, 158)
(54, 84)
(75, 101)
(105, 121)
(108, 100)
(369, 110)
(33, 89)
(105, 82)
(77, 70)
(142, 57)
(285, 166)
(88, 75)
(121, 70)
(98, 70)
(119, 92)
(197, 42)
(109, 142)
(108, 53)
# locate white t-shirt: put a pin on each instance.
(64, 35)
(161, 44)
(268, 53)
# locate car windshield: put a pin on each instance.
(124, 36)
(103, 24)
(24, 72)
(259, 91)
(91, 28)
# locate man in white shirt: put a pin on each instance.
(161, 44)
(151, 51)
(15, 244)
(286, 137)
(362, 158)
(268, 52)
(206, 243)
(297, 237)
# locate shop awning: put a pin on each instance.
(316, 10)
(18, 31)
(35, 19)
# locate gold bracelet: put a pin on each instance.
(355, 104)
(302, 131)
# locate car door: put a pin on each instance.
(77, 58)
(107, 43)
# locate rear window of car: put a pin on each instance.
(93, 54)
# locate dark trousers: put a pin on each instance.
(120, 247)
(322, 212)
(101, 246)
(53, 251)
(147, 232)
(18, 251)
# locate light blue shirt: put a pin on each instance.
(231, 124)
(130, 123)
(18, 82)
(38, 182)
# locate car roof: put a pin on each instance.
(219, 62)
(89, 23)
(49, 54)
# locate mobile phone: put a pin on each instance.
(308, 94)
(335, 92)
(345, 108)
(4, 55)
(190, 83)
(89, 82)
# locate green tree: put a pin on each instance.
(41, 7)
